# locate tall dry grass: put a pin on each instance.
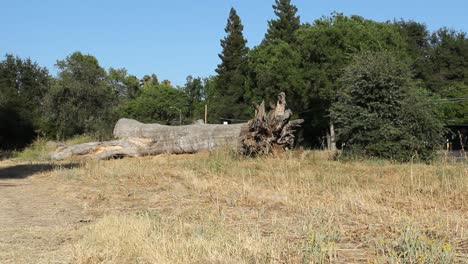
(299, 208)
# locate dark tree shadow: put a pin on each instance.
(4, 154)
(25, 170)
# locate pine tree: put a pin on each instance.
(232, 72)
(285, 25)
(274, 64)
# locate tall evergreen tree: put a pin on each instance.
(274, 64)
(286, 23)
(231, 80)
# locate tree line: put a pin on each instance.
(382, 89)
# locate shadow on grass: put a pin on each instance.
(25, 170)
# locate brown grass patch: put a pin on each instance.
(300, 208)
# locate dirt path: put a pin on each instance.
(36, 226)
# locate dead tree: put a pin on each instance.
(266, 133)
(270, 132)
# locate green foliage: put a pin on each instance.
(159, 104)
(80, 101)
(150, 81)
(23, 84)
(123, 85)
(275, 68)
(454, 104)
(329, 44)
(326, 47)
(446, 61)
(195, 91)
(286, 23)
(439, 60)
(417, 37)
(275, 65)
(231, 82)
(379, 112)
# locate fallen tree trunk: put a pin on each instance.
(138, 139)
(266, 133)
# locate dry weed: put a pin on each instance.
(300, 208)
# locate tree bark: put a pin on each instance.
(332, 137)
(265, 134)
(270, 132)
(138, 139)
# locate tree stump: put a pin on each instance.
(270, 132)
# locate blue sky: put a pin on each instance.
(179, 37)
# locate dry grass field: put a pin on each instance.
(218, 208)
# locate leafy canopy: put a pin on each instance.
(80, 101)
(380, 113)
(275, 68)
(161, 104)
(23, 84)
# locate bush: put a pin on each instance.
(380, 112)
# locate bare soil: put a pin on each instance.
(36, 225)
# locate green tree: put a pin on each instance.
(231, 82)
(166, 82)
(326, 48)
(380, 112)
(195, 91)
(209, 86)
(80, 101)
(439, 60)
(452, 101)
(161, 105)
(417, 37)
(23, 84)
(446, 61)
(150, 81)
(123, 85)
(276, 67)
(285, 24)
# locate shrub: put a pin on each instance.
(380, 112)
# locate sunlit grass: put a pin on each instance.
(302, 207)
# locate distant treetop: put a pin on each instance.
(286, 23)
